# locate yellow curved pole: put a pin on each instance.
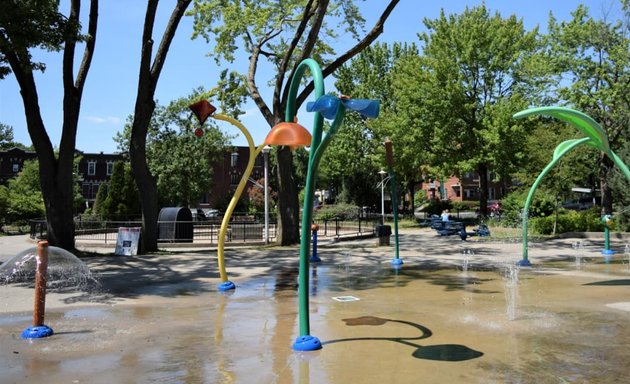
(253, 153)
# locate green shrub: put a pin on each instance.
(568, 221)
(435, 207)
(465, 205)
(341, 211)
(512, 205)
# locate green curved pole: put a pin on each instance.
(253, 153)
(307, 213)
(557, 156)
(596, 137)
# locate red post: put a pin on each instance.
(40, 283)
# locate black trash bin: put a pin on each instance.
(383, 232)
(175, 225)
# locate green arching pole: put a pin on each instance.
(319, 143)
(560, 151)
(596, 137)
(305, 341)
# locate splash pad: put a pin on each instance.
(426, 317)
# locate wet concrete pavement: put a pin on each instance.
(159, 318)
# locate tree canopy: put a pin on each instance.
(25, 26)
(282, 34)
(180, 161)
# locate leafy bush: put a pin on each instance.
(419, 198)
(512, 205)
(465, 205)
(435, 207)
(568, 221)
(341, 211)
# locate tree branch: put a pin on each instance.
(366, 41)
(282, 69)
(251, 78)
(167, 38)
(89, 46)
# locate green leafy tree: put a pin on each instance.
(122, 199)
(282, 34)
(27, 25)
(621, 192)
(25, 196)
(4, 204)
(595, 55)
(6, 138)
(101, 196)
(354, 158)
(467, 87)
(356, 155)
(180, 161)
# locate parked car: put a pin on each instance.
(200, 215)
(579, 205)
(210, 212)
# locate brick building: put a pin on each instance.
(95, 169)
(464, 189)
(12, 161)
(227, 173)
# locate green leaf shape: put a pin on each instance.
(579, 120)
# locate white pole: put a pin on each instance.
(382, 173)
(266, 171)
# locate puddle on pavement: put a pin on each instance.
(426, 320)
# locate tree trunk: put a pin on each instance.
(482, 169)
(411, 187)
(605, 167)
(144, 108)
(144, 179)
(288, 201)
(56, 173)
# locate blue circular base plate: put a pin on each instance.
(397, 262)
(37, 332)
(524, 263)
(226, 286)
(608, 252)
(307, 343)
(315, 259)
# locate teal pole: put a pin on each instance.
(389, 156)
(332, 108)
(561, 150)
(596, 137)
(305, 341)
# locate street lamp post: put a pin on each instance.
(291, 134)
(266, 149)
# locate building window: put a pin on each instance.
(110, 168)
(234, 159)
(235, 178)
(94, 191)
(91, 168)
(16, 168)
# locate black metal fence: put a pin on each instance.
(205, 231)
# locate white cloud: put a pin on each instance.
(104, 120)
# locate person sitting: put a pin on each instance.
(445, 215)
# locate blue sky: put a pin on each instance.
(110, 89)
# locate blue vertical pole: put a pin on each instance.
(314, 257)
